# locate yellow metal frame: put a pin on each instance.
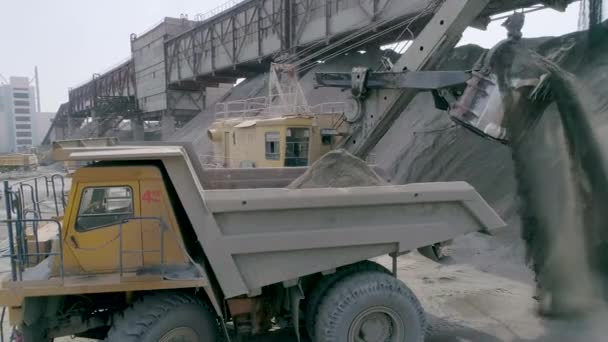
(150, 199)
(12, 293)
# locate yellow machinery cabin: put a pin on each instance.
(278, 130)
(284, 141)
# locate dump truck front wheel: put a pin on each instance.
(35, 333)
(169, 316)
(371, 307)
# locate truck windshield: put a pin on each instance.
(104, 206)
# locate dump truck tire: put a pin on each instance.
(370, 306)
(324, 284)
(164, 316)
(36, 333)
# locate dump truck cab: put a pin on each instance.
(118, 235)
(147, 229)
(114, 208)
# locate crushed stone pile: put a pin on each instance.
(337, 169)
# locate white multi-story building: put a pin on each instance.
(17, 107)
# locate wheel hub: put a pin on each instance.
(379, 324)
(181, 334)
(376, 327)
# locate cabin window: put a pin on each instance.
(104, 206)
(296, 151)
(327, 136)
(272, 146)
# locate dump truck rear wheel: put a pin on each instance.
(313, 300)
(165, 317)
(371, 307)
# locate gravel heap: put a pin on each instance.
(337, 169)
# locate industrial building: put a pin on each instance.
(133, 97)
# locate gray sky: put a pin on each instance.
(70, 40)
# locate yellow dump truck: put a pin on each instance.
(18, 161)
(152, 247)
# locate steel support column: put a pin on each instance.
(167, 123)
(137, 126)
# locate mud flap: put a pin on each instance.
(33, 308)
(296, 294)
(434, 252)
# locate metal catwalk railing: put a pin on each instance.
(217, 10)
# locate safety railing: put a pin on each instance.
(241, 108)
(21, 257)
(217, 10)
(40, 190)
(18, 248)
(264, 107)
(163, 228)
(25, 215)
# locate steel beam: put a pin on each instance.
(439, 36)
(260, 30)
(420, 80)
(118, 82)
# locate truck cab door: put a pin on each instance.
(101, 227)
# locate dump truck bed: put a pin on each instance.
(255, 236)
